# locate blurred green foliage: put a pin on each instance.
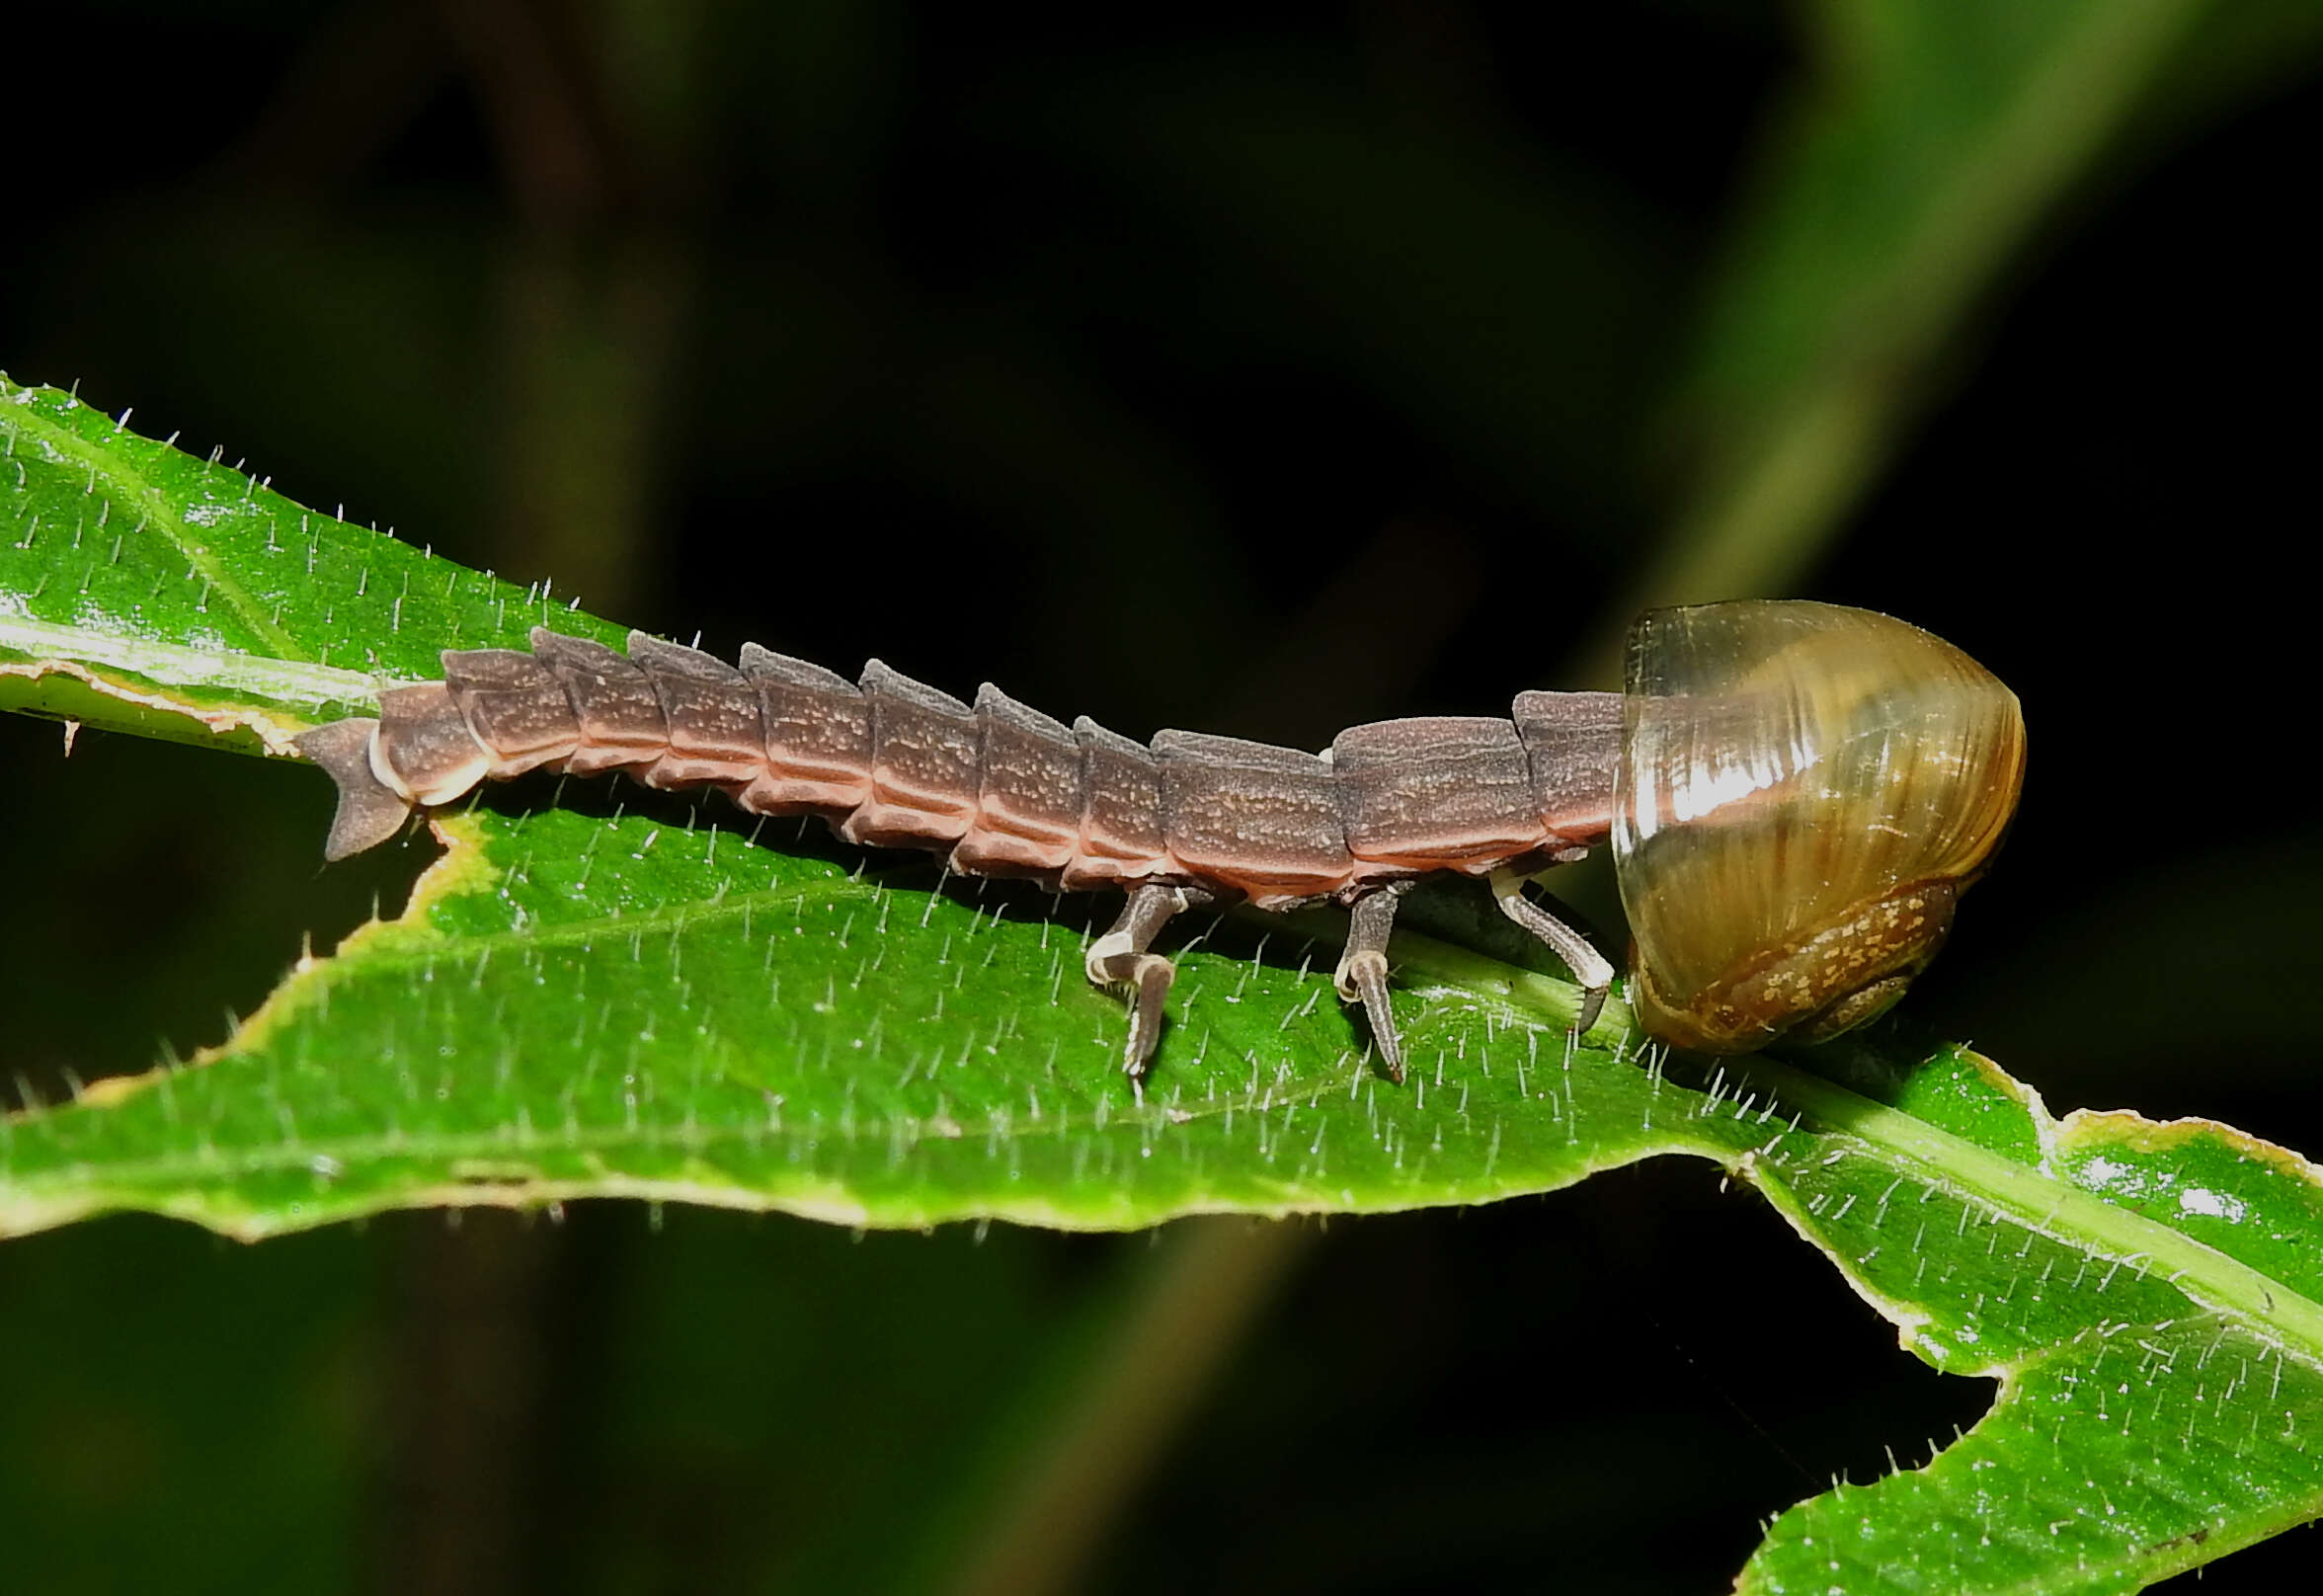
(1255, 372)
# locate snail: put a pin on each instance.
(1795, 794)
(1805, 791)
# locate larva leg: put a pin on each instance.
(1363, 970)
(1120, 957)
(1589, 967)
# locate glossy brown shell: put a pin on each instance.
(1803, 791)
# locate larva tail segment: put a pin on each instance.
(369, 811)
(425, 748)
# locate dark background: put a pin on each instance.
(1255, 371)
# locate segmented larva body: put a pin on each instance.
(1005, 790)
(1796, 795)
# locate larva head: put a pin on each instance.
(1805, 790)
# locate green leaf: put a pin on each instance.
(637, 995)
(2146, 1293)
(149, 591)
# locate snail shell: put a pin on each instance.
(1805, 790)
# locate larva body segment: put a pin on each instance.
(817, 730)
(711, 713)
(923, 777)
(1005, 790)
(1029, 793)
(516, 706)
(617, 714)
(1120, 842)
(1447, 793)
(1262, 820)
(1573, 745)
